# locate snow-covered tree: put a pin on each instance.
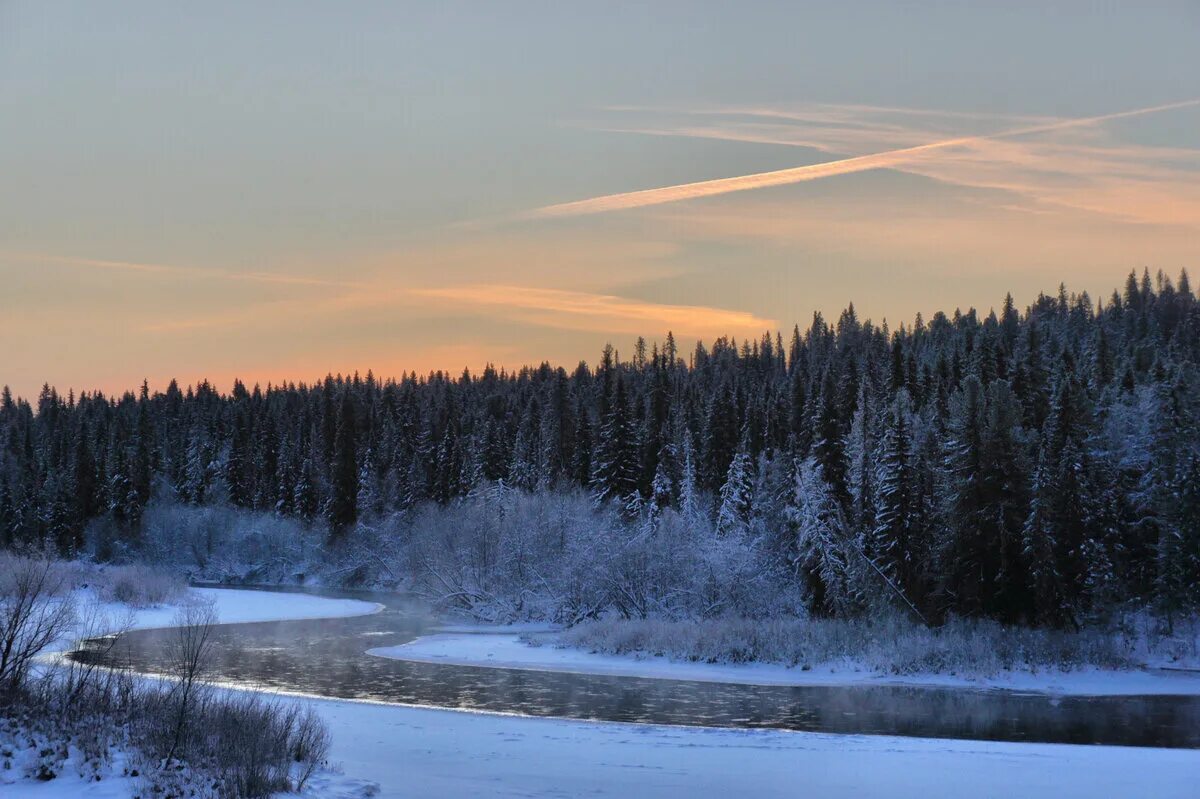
(825, 554)
(737, 493)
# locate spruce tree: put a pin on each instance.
(737, 493)
(896, 510)
(342, 508)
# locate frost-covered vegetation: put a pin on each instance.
(1036, 468)
(889, 644)
(175, 737)
(137, 585)
(107, 725)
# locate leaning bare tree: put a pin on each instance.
(35, 612)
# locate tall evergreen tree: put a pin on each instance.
(342, 508)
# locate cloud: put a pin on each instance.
(577, 310)
(177, 271)
(893, 158)
(544, 307)
(923, 242)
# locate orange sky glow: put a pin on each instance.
(441, 190)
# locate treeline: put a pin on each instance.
(1039, 467)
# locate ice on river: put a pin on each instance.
(511, 652)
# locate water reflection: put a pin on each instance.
(327, 657)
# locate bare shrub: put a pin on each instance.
(76, 709)
(81, 680)
(237, 745)
(187, 738)
(249, 744)
(310, 745)
(189, 660)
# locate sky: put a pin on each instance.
(276, 191)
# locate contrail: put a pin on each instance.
(800, 174)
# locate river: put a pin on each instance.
(327, 657)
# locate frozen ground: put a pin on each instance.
(507, 650)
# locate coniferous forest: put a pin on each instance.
(1036, 466)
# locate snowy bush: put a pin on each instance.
(507, 555)
(59, 577)
(239, 745)
(247, 744)
(139, 585)
(884, 643)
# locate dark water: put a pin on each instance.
(328, 658)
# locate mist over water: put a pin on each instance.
(327, 657)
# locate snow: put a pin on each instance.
(68, 786)
(510, 652)
(232, 606)
(114, 785)
(449, 754)
(237, 606)
(409, 751)
(518, 628)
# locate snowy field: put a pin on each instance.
(417, 752)
(508, 650)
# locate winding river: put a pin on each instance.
(327, 657)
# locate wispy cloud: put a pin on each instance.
(830, 129)
(170, 270)
(544, 307)
(577, 310)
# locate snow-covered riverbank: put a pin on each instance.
(239, 606)
(231, 605)
(424, 752)
(508, 650)
(75, 774)
(419, 752)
